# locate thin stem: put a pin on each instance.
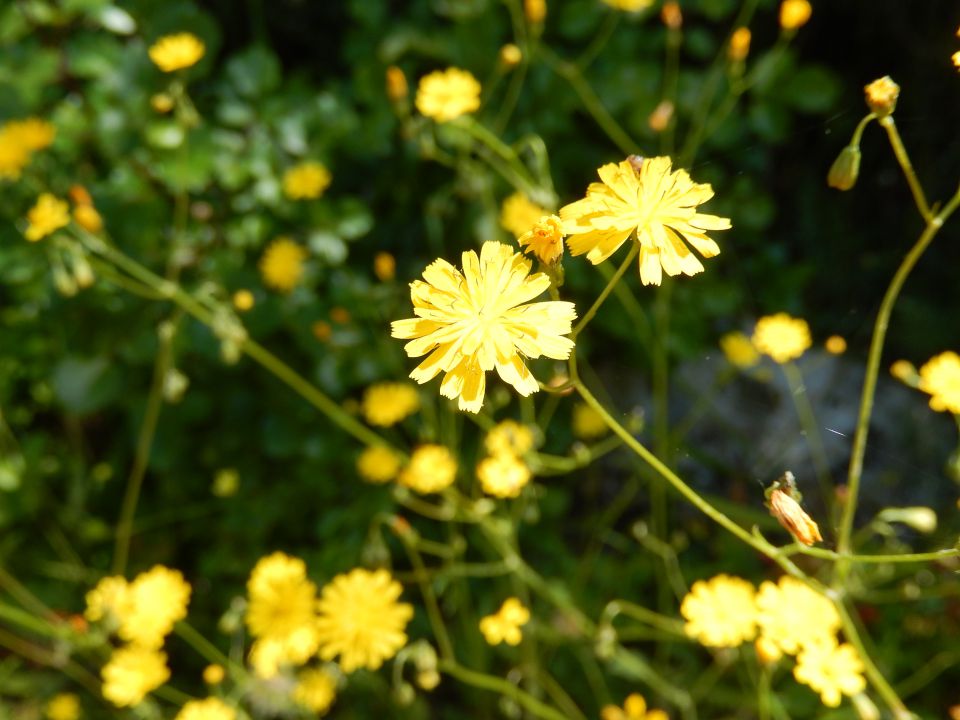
(599, 40)
(903, 158)
(429, 598)
(207, 649)
(515, 173)
(501, 686)
(872, 559)
(588, 316)
(644, 615)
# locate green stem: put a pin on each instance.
(873, 559)
(903, 158)
(501, 686)
(429, 598)
(599, 40)
(588, 316)
(207, 649)
(645, 615)
(514, 173)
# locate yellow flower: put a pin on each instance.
(225, 482)
(447, 94)
(634, 708)
(387, 403)
(31, 134)
(720, 612)
(131, 673)
(210, 708)
(739, 45)
(587, 423)
(503, 475)
(280, 614)
(739, 350)
(510, 55)
(282, 264)
(104, 598)
(243, 300)
(504, 625)
(793, 616)
(306, 181)
(881, 96)
(544, 240)
(361, 620)
(509, 437)
(384, 266)
(47, 216)
(660, 206)
(832, 670)
(482, 319)
(794, 13)
(940, 378)
(315, 690)
(176, 52)
(835, 345)
(629, 5)
(518, 214)
(782, 337)
(378, 464)
(214, 674)
(13, 158)
(63, 706)
(956, 59)
(767, 651)
(432, 468)
(151, 605)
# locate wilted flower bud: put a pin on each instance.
(397, 87)
(784, 505)
(739, 45)
(881, 96)
(661, 116)
(843, 173)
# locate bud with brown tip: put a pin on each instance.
(783, 501)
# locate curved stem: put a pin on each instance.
(429, 598)
(503, 687)
(900, 151)
(588, 316)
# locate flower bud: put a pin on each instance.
(161, 103)
(794, 14)
(783, 501)
(213, 674)
(535, 11)
(510, 55)
(881, 96)
(660, 117)
(739, 45)
(397, 87)
(87, 217)
(845, 169)
(544, 240)
(671, 15)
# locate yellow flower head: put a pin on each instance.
(306, 181)
(587, 423)
(504, 625)
(447, 94)
(794, 13)
(832, 670)
(782, 337)
(739, 45)
(151, 605)
(634, 708)
(657, 204)
(739, 350)
(282, 264)
(940, 378)
(518, 214)
(105, 598)
(387, 403)
(384, 266)
(378, 464)
(835, 345)
(131, 673)
(432, 468)
(793, 616)
(509, 438)
(63, 706)
(881, 96)
(13, 158)
(361, 620)
(31, 134)
(176, 52)
(482, 319)
(544, 240)
(720, 612)
(280, 614)
(46, 217)
(210, 708)
(315, 690)
(629, 5)
(503, 476)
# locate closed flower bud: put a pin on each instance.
(510, 55)
(845, 169)
(739, 45)
(535, 11)
(783, 501)
(671, 15)
(87, 217)
(660, 117)
(881, 96)
(397, 87)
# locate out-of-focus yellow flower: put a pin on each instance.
(634, 708)
(739, 350)
(793, 615)
(510, 55)
(432, 468)
(629, 5)
(509, 438)
(767, 650)
(782, 337)
(587, 423)
(32, 134)
(793, 518)
(226, 482)
(720, 612)
(881, 96)
(504, 625)
(48, 215)
(104, 597)
(161, 103)
(956, 59)
(387, 403)
(794, 14)
(518, 214)
(739, 45)
(940, 378)
(384, 266)
(832, 670)
(243, 300)
(151, 605)
(535, 11)
(210, 708)
(360, 619)
(397, 87)
(306, 181)
(378, 464)
(835, 345)
(281, 614)
(13, 158)
(131, 673)
(483, 319)
(316, 689)
(660, 117)
(63, 706)
(445, 95)
(176, 52)
(658, 205)
(282, 264)
(214, 674)
(503, 475)
(671, 15)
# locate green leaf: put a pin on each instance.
(254, 72)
